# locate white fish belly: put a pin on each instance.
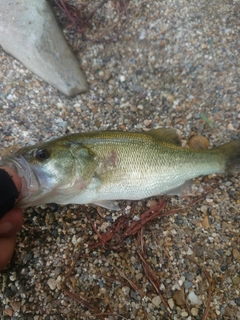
(135, 185)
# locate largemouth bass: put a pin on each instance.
(101, 167)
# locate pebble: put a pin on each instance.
(8, 312)
(134, 295)
(198, 249)
(194, 312)
(52, 283)
(151, 203)
(188, 284)
(193, 298)
(189, 252)
(107, 75)
(230, 126)
(54, 207)
(205, 222)
(198, 142)
(236, 280)
(139, 276)
(122, 78)
(147, 122)
(238, 301)
(101, 73)
(156, 301)
(184, 314)
(236, 254)
(179, 298)
(142, 35)
(13, 276)
(171, 303)
(204, 209)
(126, 290)
(133, 109)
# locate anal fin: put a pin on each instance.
(108, 204)
(181, 190)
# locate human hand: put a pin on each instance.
(10, 224)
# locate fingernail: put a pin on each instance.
(5, 227)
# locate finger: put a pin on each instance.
(10, 186)
(6, 250)
(11, 223)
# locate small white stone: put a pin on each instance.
(194, 311)
(52, 283)
(147, 122)
(189, 252)
(156, 301)
(136, 218)
(122, 78)
(194, 298)
(125, 105)
(204, 209)
(10, 97)
(101, 73)
(176, 286)
(13, 276)
(184, 314)
(74, 239)
(171, 303)
(142, 35)
(230, 126)
(162, 287)
(126, 290)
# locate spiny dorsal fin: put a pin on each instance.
(165, 135)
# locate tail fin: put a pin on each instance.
(231, 152)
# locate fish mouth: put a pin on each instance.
(30, 182)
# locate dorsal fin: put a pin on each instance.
(167, 135)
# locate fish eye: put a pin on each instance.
(42, 154)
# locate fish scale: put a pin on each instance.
(149, 170)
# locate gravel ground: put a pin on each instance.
(175, 64)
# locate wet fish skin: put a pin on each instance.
(102, 166)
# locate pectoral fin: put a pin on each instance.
(108, 204)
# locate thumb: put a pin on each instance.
(11, 223)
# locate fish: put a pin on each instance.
(102, 167)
